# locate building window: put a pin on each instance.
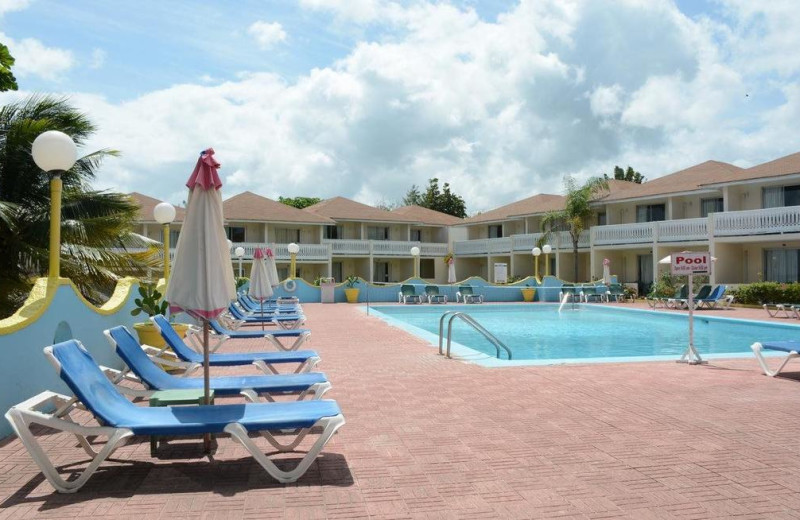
(782, 265)
(235, 233)
(496, 231)
(426, 268)
(378, 233)
(287, 236)
(334, 232)
(780, 196)
(173, 237)
(416, 235)
(651, 213)
(708, 206)
(601, 219)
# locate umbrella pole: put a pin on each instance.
(262, 313)
(206, 392)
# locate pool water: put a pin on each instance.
(589, 332)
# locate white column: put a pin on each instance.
(669, 209)
(726, 203)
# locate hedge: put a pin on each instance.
(767, 292)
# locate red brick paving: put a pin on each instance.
(428, 437)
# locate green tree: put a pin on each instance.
(7, 79)
(443, 200)
(413, 197)
(576, 213)
(299, 202)
(95, 227)
(629, 175)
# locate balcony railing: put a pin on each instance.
(682, 230)
(638, 233)
(525, 242)
(757, 222)
(384, 248)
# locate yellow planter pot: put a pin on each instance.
(352, 295)
(528, 294)
(149, 335)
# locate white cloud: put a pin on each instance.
(267, 34)
(98, 59)
(34, 58)
(500, 109)
(7, 6)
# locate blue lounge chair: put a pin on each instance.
(791, 348)
(222, 334)
(153, 378)
(467, 294)
(716, 299)
(286, 321)
(283, 302)
(571, 290)
(269, 307)
(616, 291)
(433, 296)
(408, 294)
(119, 419)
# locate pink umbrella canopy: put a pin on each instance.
(202, 281)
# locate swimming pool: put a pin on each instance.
(539, 334)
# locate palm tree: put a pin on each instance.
(96, 225)
(576, 213)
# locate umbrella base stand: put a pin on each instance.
(692, 357)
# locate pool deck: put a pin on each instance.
(428, 437)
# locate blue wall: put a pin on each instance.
(24, 370)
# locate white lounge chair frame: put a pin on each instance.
(195, 336)
(34, 411)
(758, 350)
(788, 311)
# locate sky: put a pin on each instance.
(363, 98)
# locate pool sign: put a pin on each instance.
(691, 263)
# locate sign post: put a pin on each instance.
(690, 264)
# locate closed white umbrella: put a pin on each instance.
(260, 288)
(606, 271)
(202, 281)
(272, 269)
(451, 271)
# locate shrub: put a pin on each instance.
(767, 292)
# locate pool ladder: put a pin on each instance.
(474, 324)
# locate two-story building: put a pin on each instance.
(337, 237)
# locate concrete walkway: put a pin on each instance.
(428, 437)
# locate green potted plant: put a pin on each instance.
(351, 291)
(150, 303)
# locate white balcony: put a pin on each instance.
(384, 248)
(483, 246)
(639, 233)
(683, 230)
(768, 221)
(525, 242)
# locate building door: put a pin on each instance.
(645, 277)
(336, 272)
(381, 272)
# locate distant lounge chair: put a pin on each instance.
(716, 300)
(466, 294)
(191, 360)
(593, 292)
(791, 348)
(570, 289)
(222, 334)
(672, 303)
(615, 291)
(781, 310)
(119, 420)
(283, 320)
(433, 295)
(153, 378)
(408, 294)
(703, 293)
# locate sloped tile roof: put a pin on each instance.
(427, 216)
(787, 165)
(340, 208)
(690, 179)
(147, 204)
(252, 207)
(541, 203)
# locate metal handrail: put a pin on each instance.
(475, 325)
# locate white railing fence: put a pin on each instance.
(757, 222)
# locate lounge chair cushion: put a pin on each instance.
(97, 393)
